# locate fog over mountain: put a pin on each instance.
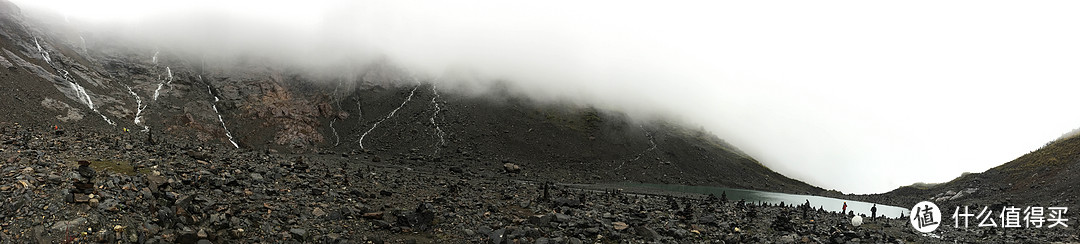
(856, 96)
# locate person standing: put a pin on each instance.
(844, 210)
(805, 208)
(873, 212)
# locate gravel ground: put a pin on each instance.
(132, 191)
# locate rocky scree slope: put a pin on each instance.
(1045, 177)
(111, 86)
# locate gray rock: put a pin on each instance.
(497, 236)
(336, 214)
(511, 168)
(298, 233)
(68, 225)
(484, 230)
(646, 233)
(788, 238)
(562, 218)
(183, 201)
(540, 220)
(517, 233)
(570, 202)
(619, 225)
(187, 238)
(172, 196)
(110, 204)
(55, 178)
(707, 219)
(681, 233)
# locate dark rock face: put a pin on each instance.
(382, 112)
(294, 119)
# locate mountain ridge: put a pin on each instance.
(382, 112)
(1043, 177)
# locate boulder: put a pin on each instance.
(619, 225)
(511, 168)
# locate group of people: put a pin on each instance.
(873, 210)
(806, 208)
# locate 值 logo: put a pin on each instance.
(925, 217)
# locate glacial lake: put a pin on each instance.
(750, 196)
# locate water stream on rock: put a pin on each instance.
(222, 120)
(407, 99)
(652, 145)
(438, 130)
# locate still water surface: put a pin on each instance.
(828, 203)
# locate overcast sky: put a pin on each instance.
(858, 96)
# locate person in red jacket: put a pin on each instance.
(844, 210)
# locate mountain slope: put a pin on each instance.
(381, 113)
(1044, 177)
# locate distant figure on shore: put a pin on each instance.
(873, 212)
(844, 210)
(805, 208)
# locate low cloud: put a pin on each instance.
(850, 95)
